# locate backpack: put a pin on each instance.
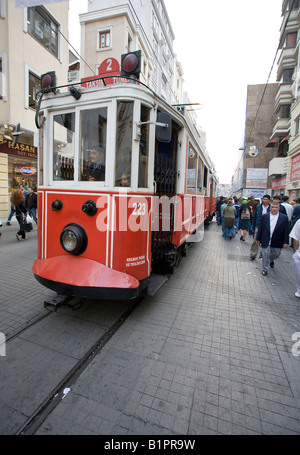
(245, 215)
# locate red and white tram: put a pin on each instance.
(123, 187)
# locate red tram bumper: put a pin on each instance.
(81, 277)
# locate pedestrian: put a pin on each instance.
(261, 209)
(237, 206)
(224, 204)
(278, 199)
(272, 235)
(229, 216)
(21, 212)
(24, 189)
(245, 219)
(296, 213)
(295, 236)
(31, 203)
(12, 211)
(218, 210)
(288, 207)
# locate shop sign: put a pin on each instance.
(295, 169)
(20, 149)
(277, 184)
(257, 178)
(28, 171)
(108, 68)
(253, 152)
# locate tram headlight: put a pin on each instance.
(73, 239)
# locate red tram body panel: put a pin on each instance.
(106, 224)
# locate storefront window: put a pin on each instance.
(124, 143)
(93, 134)
(144, 148)
(63, 146)
(21, 171)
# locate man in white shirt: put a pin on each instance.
(288, 207)
(295, 235)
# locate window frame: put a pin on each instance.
(28, 70)
(101, 31)
(77, 183)
(3, 78)
(53, 19)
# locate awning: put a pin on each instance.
(287, 138)
(272, 142)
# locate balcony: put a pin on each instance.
(284, 95)
(281, 127)
(277, 166)
(287, 59)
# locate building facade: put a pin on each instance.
(252, 174)
(284, 140)
(109, 30)
(31, 43)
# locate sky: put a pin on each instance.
(223, 47)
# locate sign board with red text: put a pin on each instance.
(109, 68)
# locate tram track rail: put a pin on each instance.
(34, 422)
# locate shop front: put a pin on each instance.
(22, 164)
(18, 167)
(294, 183)
(279, 185)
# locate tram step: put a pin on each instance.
(156, 281)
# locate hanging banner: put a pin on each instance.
(28, 3)
(257, 178)
(295, 169)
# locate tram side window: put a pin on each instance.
(200, 176)
(205, 182)
(93, 135)
(144, 148)
(63, 146)
(124, 143)
(191, 171)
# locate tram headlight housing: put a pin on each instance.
(73, 239)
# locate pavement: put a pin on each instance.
(215, 351)
(21, 296)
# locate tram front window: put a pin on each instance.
(63, 146)
(93, 134)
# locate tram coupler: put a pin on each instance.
(57, 302)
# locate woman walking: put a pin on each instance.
(229, 217)
(21, 212)
(245, 219)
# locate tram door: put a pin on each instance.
(165, 176)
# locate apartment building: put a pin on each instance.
(283, 140)
(31, 43)
(293, 173)
(251, 177)
(110, 29)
